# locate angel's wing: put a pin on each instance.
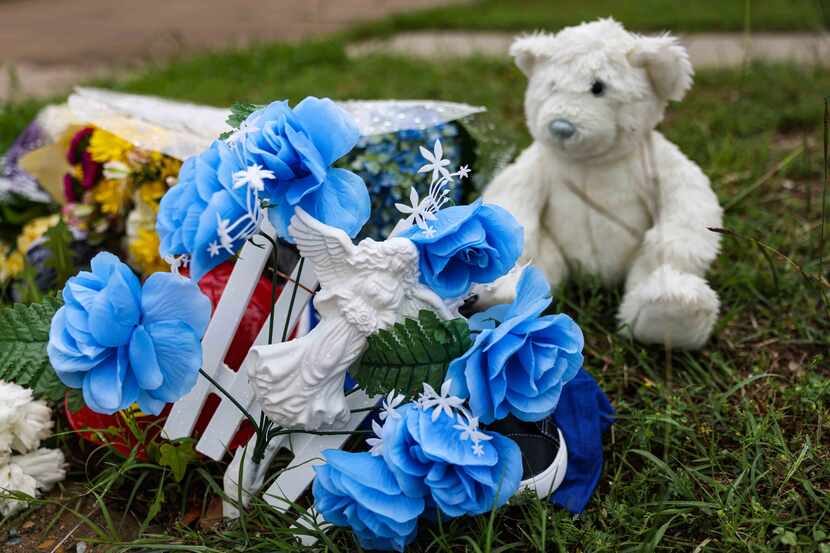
(327, 247)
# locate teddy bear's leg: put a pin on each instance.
(669, 307)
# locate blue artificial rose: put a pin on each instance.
(461, 469)
(520, 360)
(187, 222)
(123, 343)
(468, 244)
(299, 146)
(359, 491)
(279, 157)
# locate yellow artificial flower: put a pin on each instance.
(105, 146)
(34, 230)
(15, 264)
(150, 193)
(144, 250)
(11, 264)
(112, 195)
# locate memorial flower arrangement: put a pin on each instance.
(435, 448)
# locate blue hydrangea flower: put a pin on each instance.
(122, 343)
(520, 360)
(389, 164)
(476, 243)
(462, 470)
(359, 491)
(299, 147)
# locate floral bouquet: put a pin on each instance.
(473, 410)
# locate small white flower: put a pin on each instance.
(468, 427)
(213, 249)
(478, 450)
(222, 230)
(429, 231)
(444, 403)
(435, 162)
(376, 444)
(176, 262)
(242, 132)
(463, 172)
(389, 404)
(254, 176)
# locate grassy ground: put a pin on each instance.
(727, 449)
(643, 15)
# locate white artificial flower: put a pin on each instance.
(13, 479)
(444, 403)
(435, 162)
(24, 422)
(46, 466)
(463, 172)
(254, 176)
(240, 134)
(468, 427)
(389, 404)
(213, 249)
(376, 444)
(478, 450)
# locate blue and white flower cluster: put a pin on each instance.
(428, 456)
(389, 164)
(280, 157)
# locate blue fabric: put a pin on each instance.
(583, 415)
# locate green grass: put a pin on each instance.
(727, 449)
(641, 15)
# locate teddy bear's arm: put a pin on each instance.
(686, 208)
(667, 300)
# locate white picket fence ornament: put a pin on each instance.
(227, 418)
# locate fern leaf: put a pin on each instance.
(24, 333)
(410, 353)
(59, 243)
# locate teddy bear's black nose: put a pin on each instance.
(561, 128)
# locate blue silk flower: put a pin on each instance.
(289, 152)
(520, 360)
(475, 243)
(124, 343)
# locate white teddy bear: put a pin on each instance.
(600, 191)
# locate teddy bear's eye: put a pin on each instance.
(598, 88)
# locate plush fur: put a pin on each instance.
(614, 198)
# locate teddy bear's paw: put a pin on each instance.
(502, 290)
(671, 308)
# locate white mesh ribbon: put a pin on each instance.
(181, 129)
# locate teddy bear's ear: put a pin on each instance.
(667, 64)
(529, 50)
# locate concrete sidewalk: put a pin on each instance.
(46, 46)
(706, 50)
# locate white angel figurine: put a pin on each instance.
(363, 288)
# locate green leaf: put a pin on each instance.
(239, 112)
(75, 400)
(24, 333)
(59, 243)
(410, 353)
(177, 456)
